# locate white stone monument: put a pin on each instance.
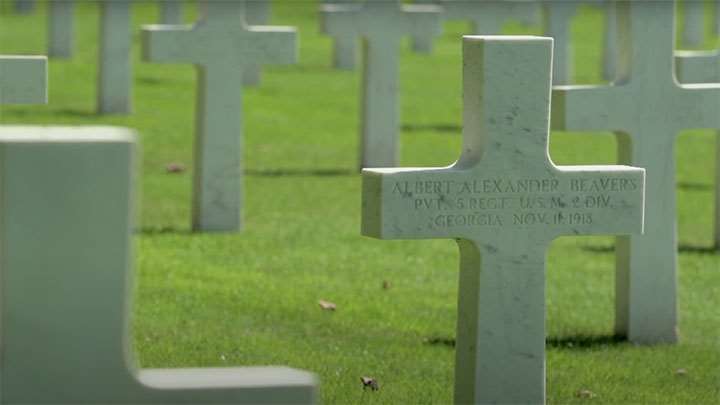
(504, 201)
(381, 24)
(486, 16)
(344, 49)
(220, 45)
(61, 28)
(257, 12)
(114, 58)
(558, 16)
(171, 12)
(693, 32)
(647, 108)
(67, 281)
(24, 6)
(23, 79)
(703, 67)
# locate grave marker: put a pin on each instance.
(382, 24)
(171, 12)
(504, 201)
(24, 6)
(558, 16)
(694, 22)
(610, 41)
(61, 28)
(257, 13)
(221, 46)
(23, 79)
(114, 59)
(651, 108)
(703, 67)
(344, 49)
(66, 307)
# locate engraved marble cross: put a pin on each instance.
(61, 28)
(66, 286)
(220, 45)
(648, 108)
(23, 79)
(704, 67)
(504, 201)
(114, 60)
(382, 24)
(558, 16)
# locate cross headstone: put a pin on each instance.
(221, 46)
(66, 307)
(703, 67)
(504, 201)
(647, 108)
(61, 28)
(486, 16)
(114, 59)
(382, 24)
(558, 16)
(344, 49)
(23, 79)
(716, 25)
(257, 13)
(694, 22)
(24, 6)
(610, 41)
(171, 12)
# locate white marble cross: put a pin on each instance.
(344, 49)
(610, 41)
(114, 58)
(382, 24)
(647, 108)
(24, 6)
(504, 201)
(61, 28)
(171, 12)
(257, 12)
(487, 16)
(67, 283)
(703, 67)
(558, 16)
(693, 32)
(23, 79)
(220, 45)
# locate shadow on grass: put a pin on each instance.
(301, 172)
(576, 342)
(75, 113)
(454, 128)
(692, 186)
(162, 230)
(683, 248)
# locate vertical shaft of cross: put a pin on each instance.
(610, 41)
(500, 284)
(218, 149)
(558, 16)
(171, 12)
(114, 62)
(344, 52)
(694, 22)
(257, 12)
(379, 146)
(24, 6)
(61, 28)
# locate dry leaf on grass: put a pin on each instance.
(585, 394)
(681, 372)
(327, 305)
(369, 382)
(175, 168)
(386, 285)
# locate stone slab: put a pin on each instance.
(114, 59)
(221, 46)
(61, 28)
(647, 109)
(504, 201)
(66, 307)
(23, 79)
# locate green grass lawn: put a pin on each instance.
(251, 298)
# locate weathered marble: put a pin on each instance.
(703, 67)
(504, 201)
(344, 42)
(114, 58)
(693, 32)
(24, 6)
(558, 16)
(257, 13)
(220, 45)
(67, 283)
(610, 41)
(647, 108)
(171, 12)
(61, 28)
(23, 79)
(382, 25)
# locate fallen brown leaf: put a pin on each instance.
(369, 382)
(327, 305)
(585, 394)
(175, 168)
(681, 372)
(386, 285)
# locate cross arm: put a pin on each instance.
(272, 45)
(162, 43)
(697, 66)
(423, 20)
(337, 19)
(23, 79)
(702, 103)
(588, 108)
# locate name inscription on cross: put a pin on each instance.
(220, 44)
(381, 24)
(66, 309)
(647, 108)
(703, 67)
(23, 79)
(504, 201)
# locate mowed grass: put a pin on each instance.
(206, 300)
